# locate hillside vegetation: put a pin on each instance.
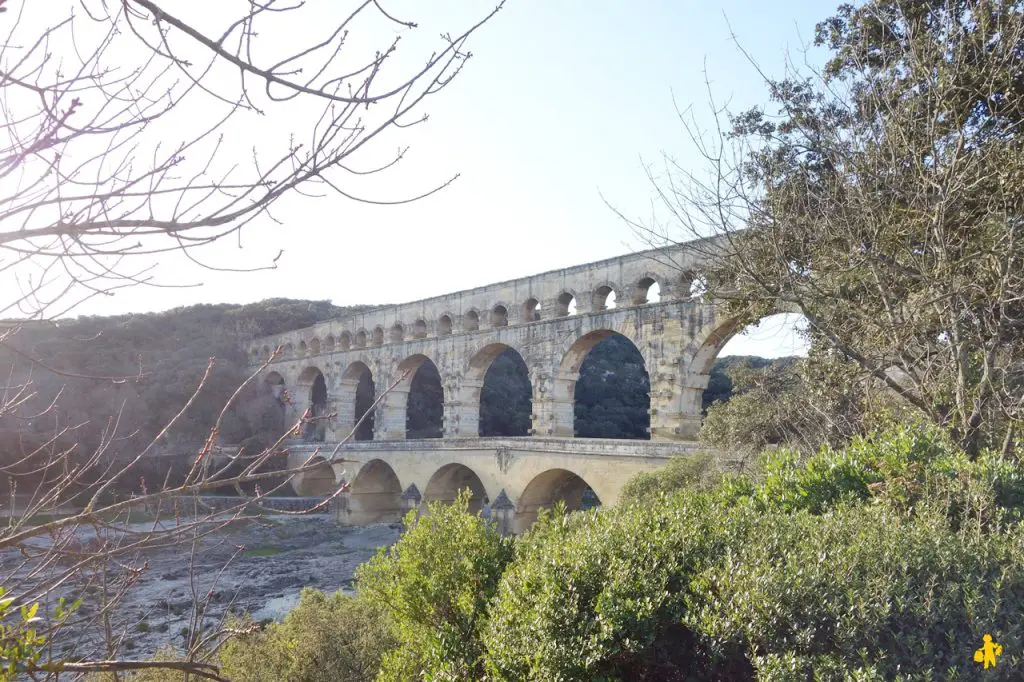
(120, 380)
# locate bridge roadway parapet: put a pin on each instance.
(512, 477)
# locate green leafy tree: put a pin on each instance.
(883, 201)
(435, 584)
(686, 472)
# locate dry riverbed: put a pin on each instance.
(281, 555)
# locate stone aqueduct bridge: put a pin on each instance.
(679, 337)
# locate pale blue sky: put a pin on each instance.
(561, 101)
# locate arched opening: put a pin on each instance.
(254, 355)
(447, 481)
(329, 343)
(288, 351)
(378, 336)
(471, 321)
(531, 310)
(361, 375)
(506, 397)
(360, 340)
(375, 495)
(265, 353)
(444, 325)
(604, 298)
(419, 330)
(771, 343)
(314, 423)
(549, 488)
(345, 341)
(302, 349)
(424, 407)
(611, 396)
(317, 480)
(397, 333)
(314, 346)
(647, 291)
(499, 316)
(566, 305)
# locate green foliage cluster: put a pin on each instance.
(888, 559)
(436, 584)
(326, 638)
(20, 644)
(23, 641)
(680, 473)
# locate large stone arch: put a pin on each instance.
(375, 495)
(611, 394)
(464, 403)
(506, 397)
(708, 343)
(548, 488)
(355, 395)
(447, 481)
(424, 410)
(554, 396)
(393, 411)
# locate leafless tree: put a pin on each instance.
(139, 127)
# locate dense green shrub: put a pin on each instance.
(696, 588)
(680, 473)
(326, 638)
(901, 467)
(599, 595)
(861, 586)
(435, 584)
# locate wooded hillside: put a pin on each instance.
(121, 379)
